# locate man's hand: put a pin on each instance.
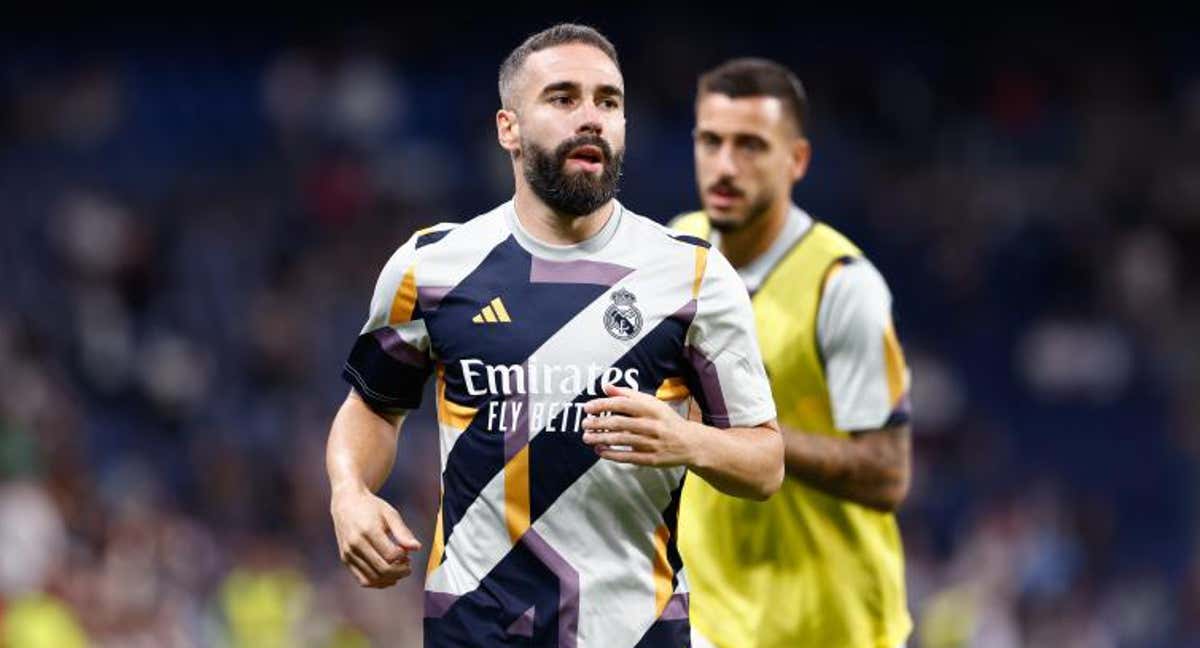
(372, 539)
(638, 429)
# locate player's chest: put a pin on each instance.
(500, 321)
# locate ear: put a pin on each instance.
(801, 154)
(508, 131)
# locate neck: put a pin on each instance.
(549, 226)
(745, 244)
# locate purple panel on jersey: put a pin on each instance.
(437, 603)
(576, 272)
(713, 398)
(568, 586)
(517, 436)
(430, 297)
(686, 314)
(395, 346)
(677, 607)
(523, 626)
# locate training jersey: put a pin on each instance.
(805, 568)
(537, 538)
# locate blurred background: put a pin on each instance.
(193, 216)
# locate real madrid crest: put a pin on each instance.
(622, 319)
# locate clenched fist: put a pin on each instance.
(373, 542)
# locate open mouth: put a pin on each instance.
(590, 155)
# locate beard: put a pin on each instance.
(754, 211)
(573, 194)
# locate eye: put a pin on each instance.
(752, 145)
(560, 100)
(610, 103)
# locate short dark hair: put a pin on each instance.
(756, 77)
(560, 34)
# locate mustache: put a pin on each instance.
(727, 186)
(587, 139)
(573, 194)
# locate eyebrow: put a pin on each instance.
(560, 85)
(610, 90)
(735, 136)
(606, 89)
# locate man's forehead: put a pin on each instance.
(716, 110)
(573, 62)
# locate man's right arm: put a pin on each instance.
(387, 369)
(868, 389)
(373, 540)
(869, 467)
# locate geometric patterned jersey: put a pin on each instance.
(538, 540)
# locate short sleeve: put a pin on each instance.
(390, 361)
(727, 376)
(864, 364)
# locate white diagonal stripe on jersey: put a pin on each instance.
(449, 436)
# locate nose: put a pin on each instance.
(725, 163)
(589, 128)
(591, 121)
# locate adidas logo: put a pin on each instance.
(492, 313)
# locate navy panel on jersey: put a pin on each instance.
(431, 237)
(491, 615)
(671, 519)
(388, 374)
(694, 240)
(673, 633)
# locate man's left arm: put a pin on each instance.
(737, 447)
(631, 427)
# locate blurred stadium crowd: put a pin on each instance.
(192, 226)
